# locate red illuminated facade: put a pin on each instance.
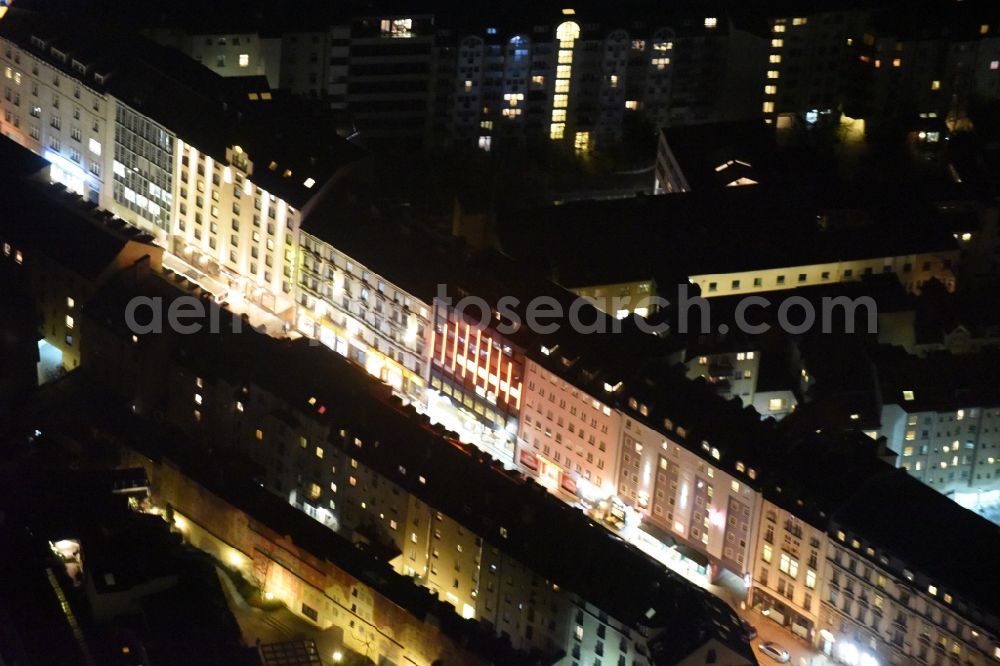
(478, 369)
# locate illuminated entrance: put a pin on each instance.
(548, 473)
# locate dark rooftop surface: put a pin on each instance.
(729, 230)
(884, 509)
(938, 382)
(47, 219)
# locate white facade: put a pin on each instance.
(363, 316)
(567, 438)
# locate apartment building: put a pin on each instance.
(940, 415)
(890, 597)
(733, 374)
(576, 77)
(56, 104)
(568, 439)
(335, 445)
(191, 157)
(478, 369)
(789, 566)
(597, 426)
(813, 65)
(361, 313)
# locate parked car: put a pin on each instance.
(776, 652)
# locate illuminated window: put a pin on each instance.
(908, 395)
(69, 322)
(559, 115)
(239, 406)
(660, 63)
(244, 60)
(768, 107)
(779, 28)
(774, 58)
(770, 90)
(565, 56)
(932, 590)
(259, 434)
(638, 45)
(810, 578)
(896, 62)
(95, 146)
(995, 64)
(468, 85)
(777, 43)
(560, 101)
(768, 552)
(711, 22)
(562, 85)
(935, 85)
(319, 452)
(772, 74)
(314, 491)
(984, 29)
(582, 142)
(613, 80)
(308, 183)
(568, 31)
(397, 27)
(70, 302)
(485, 143)
(563, 71)
(911, 435)
(631, 104)
(800, 21)
(907, 451)
(538, 80)
(947, 598)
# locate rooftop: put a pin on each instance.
(734, 229)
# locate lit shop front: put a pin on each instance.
(782, 613)
(349, 342)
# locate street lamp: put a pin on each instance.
(338, 656)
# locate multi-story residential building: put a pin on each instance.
(568, 439)
(478, 368)
(941, 417)
(737, 241)
(813, 65)
(891, 597)
(369, 303)
(189, 156)
(575, 77)
(337, 446)
(361, 605)
(732, 373)
(789, 565)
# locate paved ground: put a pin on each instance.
(279, 625)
